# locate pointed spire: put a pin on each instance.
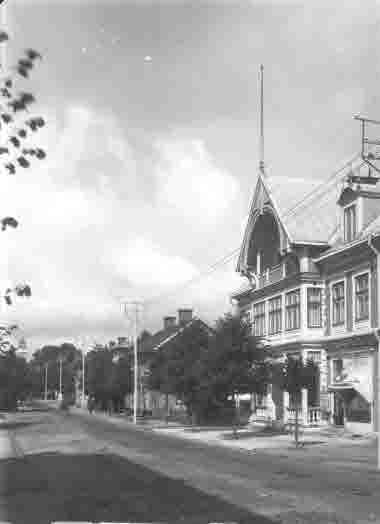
(261, 164)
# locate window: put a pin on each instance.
(349, 223)
(246, 317)
(293, 310)
(337, 292)
(337, 369)
(314, 307)
(315, 356)
(361, 297)
(259, 319)
(275, 314)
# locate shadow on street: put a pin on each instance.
(47, 487)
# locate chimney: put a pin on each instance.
(169, 322)
(185, 316)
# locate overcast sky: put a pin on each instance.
(152, 142)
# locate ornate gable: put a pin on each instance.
(265, 236)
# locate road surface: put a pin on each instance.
(80, 468)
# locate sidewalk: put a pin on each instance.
(319, 442)
(8, 447)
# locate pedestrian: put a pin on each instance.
(90, 405)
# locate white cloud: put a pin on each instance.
(81, 243)
(191, 184)
(145, 265)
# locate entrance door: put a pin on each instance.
(338, 410)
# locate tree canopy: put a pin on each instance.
(205, 368)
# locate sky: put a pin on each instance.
(152, 111)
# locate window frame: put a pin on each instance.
(350, 233)
(334, 322)
(275, 315)
(367, 291)
(293, 307)
(261, 316)
(308, 309)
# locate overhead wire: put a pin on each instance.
(322, 188)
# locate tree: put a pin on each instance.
(292, 376)
(207, 370)
(49, 356)
(176, 367)
(108, 377)
(236, 362)
(15, 380)
(17, 151)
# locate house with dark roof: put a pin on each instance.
(311, 289)
(148, 347)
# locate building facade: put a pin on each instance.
(155, 402)
(312, 291)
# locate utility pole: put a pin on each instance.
(46, 376)
(60, 379)
(84, 345)
(135, 308)
(83, 377)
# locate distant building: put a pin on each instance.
(312, 291)
(149, 345)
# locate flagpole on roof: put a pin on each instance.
(261, 164)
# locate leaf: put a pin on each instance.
(27, 98)
(32, 54)
(15, 141)
(25, 64)
(8, 222)
(32, 124)
(4, 150)
(23, 290)
(23, 161)
(40, 153)
(8, 300)
(17, 105)
(8, 83)
(22, 72)
(40, 122)
(3, 36)
(4, 92)
(6, 118)
(11, 168)
(22, 133)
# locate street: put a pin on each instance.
(77, 467)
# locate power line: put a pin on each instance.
(227, 258)
(322, 185)
(203, 274)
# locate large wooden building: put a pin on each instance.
(312, 290)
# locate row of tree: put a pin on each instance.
(207, 370)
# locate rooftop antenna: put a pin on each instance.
(367, 155)
(261, 164)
